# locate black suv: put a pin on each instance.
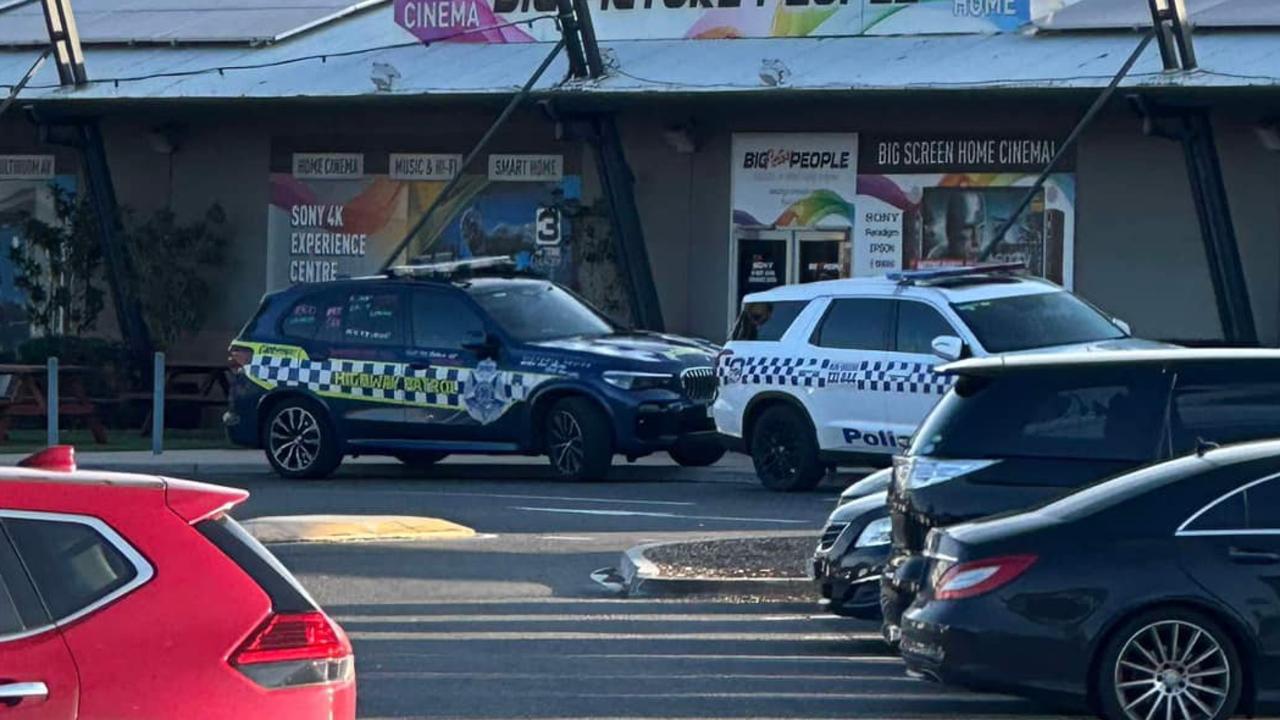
(432, 360)
(1017, 431)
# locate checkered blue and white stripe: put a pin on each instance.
(874, 376)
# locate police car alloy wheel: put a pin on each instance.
(299, 442)
(578, 440)
(784, 451)
(1169, 663)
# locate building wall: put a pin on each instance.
(1138, 251)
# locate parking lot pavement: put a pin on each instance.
(508, 624)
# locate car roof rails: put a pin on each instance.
(495, 266)
(950, 274)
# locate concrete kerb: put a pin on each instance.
(353, 528)
(642, 578)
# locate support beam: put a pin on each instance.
(618, 185)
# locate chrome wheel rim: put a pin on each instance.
(565, 443)
(295, 439)
(1172, 670)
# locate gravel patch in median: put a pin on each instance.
(769, 557)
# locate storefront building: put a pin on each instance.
(838, 140)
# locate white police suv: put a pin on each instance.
(841, 371)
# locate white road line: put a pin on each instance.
(581, 618)
(527, 636)
(627, 677)
(674, 516)
(567, 538)
(569, 498)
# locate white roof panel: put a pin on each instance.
(1124, 14)
(186, 21)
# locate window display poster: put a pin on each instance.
(762, 265)
(22, 196)
(321, 229)
(794, 179)
(936, 202)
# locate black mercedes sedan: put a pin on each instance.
(1152, 595)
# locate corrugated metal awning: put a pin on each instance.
(941, 62)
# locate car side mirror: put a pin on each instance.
(948, 347)
(484, 344)
(1124, 326)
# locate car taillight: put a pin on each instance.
(971, 579)
(292, 649)
(239, 357)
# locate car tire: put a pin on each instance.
(785, 451)
(1144, 663)
(696, 453)
(420, 460)
(299, 440)
(579, 440)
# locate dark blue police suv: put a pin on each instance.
(427, 361)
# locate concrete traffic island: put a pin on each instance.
(771, 567)
(353, 528)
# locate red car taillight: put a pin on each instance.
(971, 579)
(294, 649)
(239, 357)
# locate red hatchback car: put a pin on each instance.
(129, 596)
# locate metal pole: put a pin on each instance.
(475, 152)
(572, 39)
(157, 404)
(1069, 143)
(51, 397)
(31, 72)
(590, 46)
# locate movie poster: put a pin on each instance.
(337, 221)
(932, 202)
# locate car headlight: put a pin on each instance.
(911, 473)
(877, 532)
(628, 380)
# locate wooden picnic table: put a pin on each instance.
(212, 386)
(28, 396)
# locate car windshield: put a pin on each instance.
(1068, 413)
(1024, 322)
(533, 312)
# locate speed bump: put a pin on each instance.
(353, 528)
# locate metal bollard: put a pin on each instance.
(51, 397)
(157, 405)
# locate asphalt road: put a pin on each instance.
(509, 624)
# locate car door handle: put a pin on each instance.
(1253, 557)
(419, 366)
(24, 691)
(899, 374)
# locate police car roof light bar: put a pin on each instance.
(911, 277)
(453, 267)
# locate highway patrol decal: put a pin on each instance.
(482, 394)
(875, 376)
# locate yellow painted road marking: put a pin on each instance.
(353, 528)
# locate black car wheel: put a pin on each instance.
(420, 460)
(785, 452)
(579, 440)
(696, 453)
(299, 442)
(1171, 664)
